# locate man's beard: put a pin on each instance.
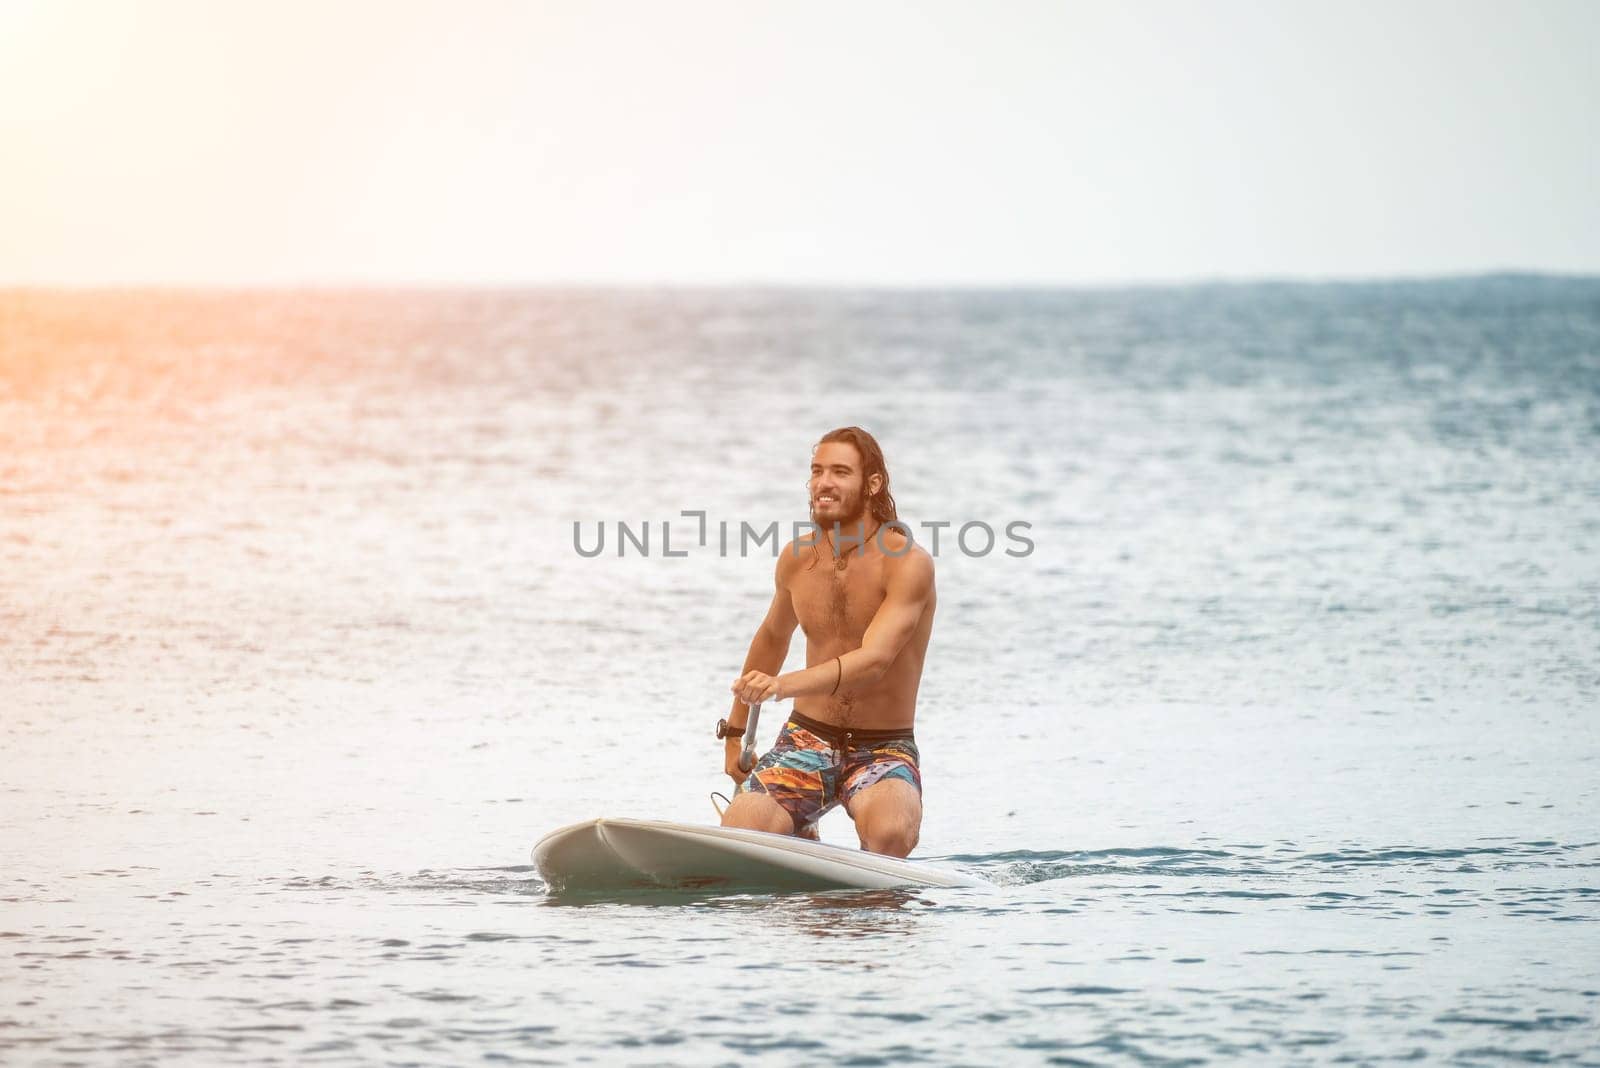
(848, 512)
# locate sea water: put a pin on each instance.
(1277, 743)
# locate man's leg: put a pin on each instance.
(755, 811)
(888, 817)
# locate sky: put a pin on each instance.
(702, 142)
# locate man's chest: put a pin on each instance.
(832, 604)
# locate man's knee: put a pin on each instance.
(896, 839)
(753, 811)
(888, 818)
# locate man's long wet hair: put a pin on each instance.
(881, 504)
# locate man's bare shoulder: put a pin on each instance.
(905, 560)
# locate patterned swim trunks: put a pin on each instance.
(815, 766)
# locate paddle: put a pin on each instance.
(747, 755)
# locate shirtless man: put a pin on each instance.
(864, 595)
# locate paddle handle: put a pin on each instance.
(747, 755)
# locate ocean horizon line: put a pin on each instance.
(1282, 281)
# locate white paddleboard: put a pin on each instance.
(622, 854)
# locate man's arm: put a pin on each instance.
(910, 587)
(771, 644)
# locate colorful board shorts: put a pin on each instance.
(815, 766)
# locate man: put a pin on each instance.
(863, 593)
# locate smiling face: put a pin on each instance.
(838, 491)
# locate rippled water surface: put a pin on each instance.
(1281, 744)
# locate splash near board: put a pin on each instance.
(623, 854)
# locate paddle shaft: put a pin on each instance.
(747, 755)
